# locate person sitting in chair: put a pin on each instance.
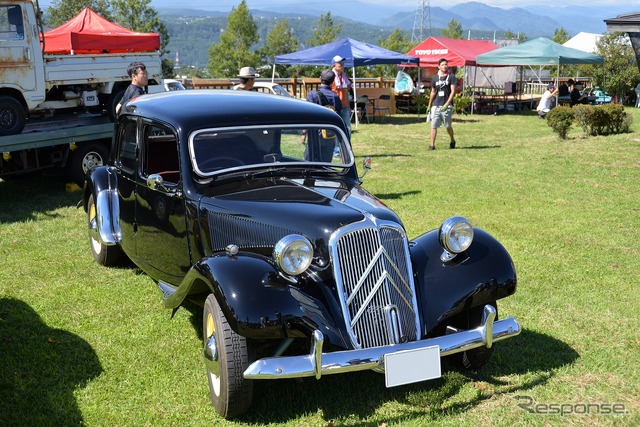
(578, 97)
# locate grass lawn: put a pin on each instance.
(85, 345)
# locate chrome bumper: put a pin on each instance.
(318, 363)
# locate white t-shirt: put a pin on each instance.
(545, 102)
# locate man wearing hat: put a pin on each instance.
(324, 95)
(545, 102)
(247, 77)
(340, 87)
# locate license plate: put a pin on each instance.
(412, 366)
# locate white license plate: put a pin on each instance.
(412, 366)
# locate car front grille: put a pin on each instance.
(373, 275)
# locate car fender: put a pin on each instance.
(482, 274)
(258, 302)
(102, 185)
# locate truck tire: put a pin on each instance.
(112, 102)
(12, 116)
(85, 159)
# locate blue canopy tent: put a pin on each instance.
(356, 54)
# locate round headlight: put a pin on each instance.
(456, 234)
(293, 254)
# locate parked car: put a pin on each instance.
(272, 88)
(601, 97)
(173, 84)
(236, 201)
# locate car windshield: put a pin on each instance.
(215, 151)
(279, 90)
(174, 86)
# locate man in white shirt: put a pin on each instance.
(547, 98)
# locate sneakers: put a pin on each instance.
(452, 145)
(432, 147)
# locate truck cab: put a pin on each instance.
(35, 84)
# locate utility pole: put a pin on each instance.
(421, 22)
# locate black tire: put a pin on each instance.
(102, 254)
(112, 103)
(12, 116)
(231, 394)
(475, 358)
(85, 159)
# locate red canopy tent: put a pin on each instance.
(89, 33)
(457, 52)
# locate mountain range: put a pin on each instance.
(533, 20)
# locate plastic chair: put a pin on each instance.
(382, 106)
(361, 108)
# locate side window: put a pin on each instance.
(11, 26)
(127, 149)
(160, 153)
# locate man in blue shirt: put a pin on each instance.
(324, 95)
(327, 98)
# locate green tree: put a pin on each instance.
(560, 36)
(325, 32)
(233, 51)
(138, 15)
(279, 41)
(510, 35)
(61, 11)
(620, 68)
(453, 31)
(398, 41)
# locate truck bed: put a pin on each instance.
(103, 68)
(59, 130)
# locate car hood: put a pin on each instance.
(256, 214)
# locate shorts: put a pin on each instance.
(439, 116)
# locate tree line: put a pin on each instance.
(241, 43)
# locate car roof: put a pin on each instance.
(206, 108)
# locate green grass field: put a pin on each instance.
(82, 344)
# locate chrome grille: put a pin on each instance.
(375, 283)
(243, 232)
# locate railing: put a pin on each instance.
(296, 86)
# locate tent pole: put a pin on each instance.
(355, 97)
(273, 73)
(418, 96)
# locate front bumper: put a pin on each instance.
(318, 363)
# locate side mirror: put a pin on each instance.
(154, 181)
(366, 164)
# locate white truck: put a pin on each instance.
(56, 110)
(35, 85)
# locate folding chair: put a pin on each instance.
(382, 105)
(361, 108)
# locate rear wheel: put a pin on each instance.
(102, 254)
(227, 357)
(12, 116)
(475, 358)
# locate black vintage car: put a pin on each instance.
(251, 205)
